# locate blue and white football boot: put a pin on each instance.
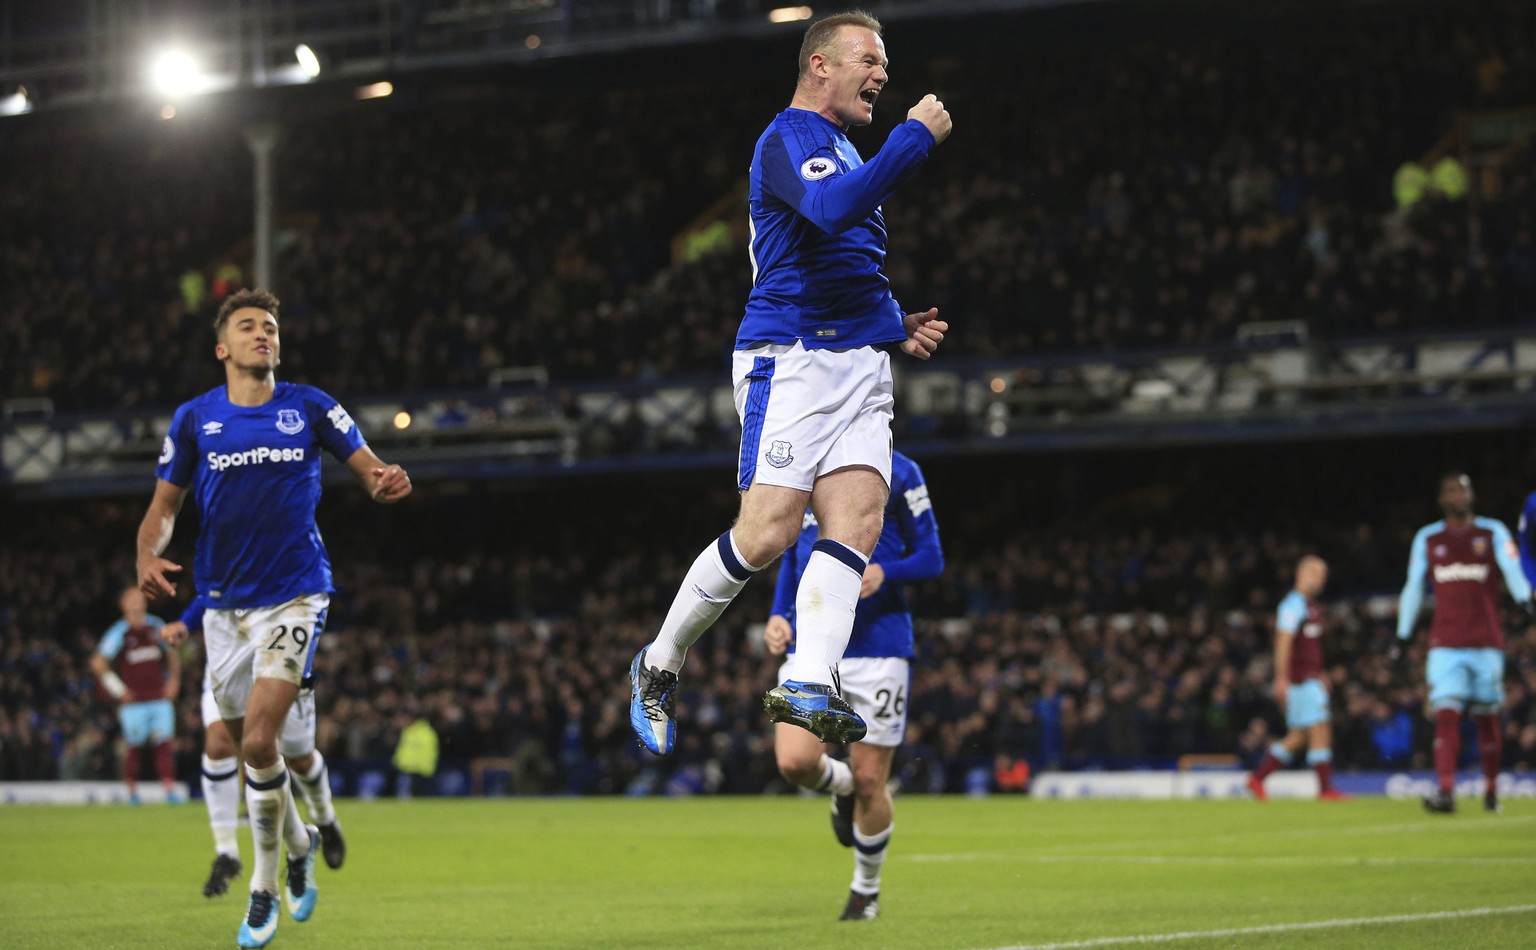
(652, 699)
(260, 923)
(299, 891)
(815, 707)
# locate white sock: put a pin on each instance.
(267, 800)
(824, 606)
(868, 856)
(836, 776)
(718, 574)
(315, 786)
(295, 835)
(221, 795)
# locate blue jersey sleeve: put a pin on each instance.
(1523, 534)
(192, 616)
(1508, 556)
(112, 641)
(788, 583)
(1412, 598)
(332, 425)
(1292, 613)
(924, 557)
(805, 173)
(178, 455)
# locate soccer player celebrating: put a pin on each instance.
(875, 673)
(134, 668)
(221, 779)
(249, 452)
(1299, 686)
(813, 380)
(1465, 670)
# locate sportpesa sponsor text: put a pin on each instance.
(218, 462)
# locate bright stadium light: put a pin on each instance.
(17, 103)
(308, 61)
(376, 90)
(174, 73)
(789, 14)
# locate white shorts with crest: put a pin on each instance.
(243, 645)
(806, 413)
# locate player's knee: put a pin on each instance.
(868, 782)
(259, 749)
(300, 763)
(218, 745)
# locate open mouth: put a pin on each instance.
(870, 95)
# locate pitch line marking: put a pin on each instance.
(1344, 861)
(1275, 928)
(1327, 832)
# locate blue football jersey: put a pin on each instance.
(254, 472)
(818, 237)
(908, 550)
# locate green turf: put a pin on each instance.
(765, 872)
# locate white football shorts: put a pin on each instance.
(877, 688)
(806, 413)
(297, 738)
(277, 642)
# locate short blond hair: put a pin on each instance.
(821, 34)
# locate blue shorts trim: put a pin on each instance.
(1465, 676)
(756, 411)
(1306, 705)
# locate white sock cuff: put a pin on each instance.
(841, 553)
(216, 770)
(273, 776)
(731, 558)
(316, 768)
(876, 840)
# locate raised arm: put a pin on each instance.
(154, 535)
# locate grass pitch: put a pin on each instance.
(765, 872)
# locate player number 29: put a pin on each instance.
(890, 704)
(299, 634)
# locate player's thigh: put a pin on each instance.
(284, 637)
(877, 689)
(1306, 705)
(1487, 673)
(850, 506)
(1448, 671)
(297, 737)
(795, 404)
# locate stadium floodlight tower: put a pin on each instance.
(262, 139)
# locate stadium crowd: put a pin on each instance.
(1122, 635)
(1116, 194)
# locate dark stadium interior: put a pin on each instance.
(1124, 181)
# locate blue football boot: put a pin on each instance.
(299, 891)
(652, 698)
(815, 707)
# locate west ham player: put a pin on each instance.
(1299, 686)
(1466, 640)
(250, 453)
(813, 379)
(221, 781)
(132, 664)
(875, 672)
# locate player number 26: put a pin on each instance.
(299, 634)
(890, 704)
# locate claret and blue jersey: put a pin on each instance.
(908, 550)
(818, 237)
(254, 472)
(1464, 563)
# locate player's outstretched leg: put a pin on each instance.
(299, 890)
(815, 707)
(652, 701)
(221, 795)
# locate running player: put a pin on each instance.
(813, 380)
(136, 670)
(876, 673)
(249, 452)
(221, 785)
(1465, 671)
(1300, 689)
